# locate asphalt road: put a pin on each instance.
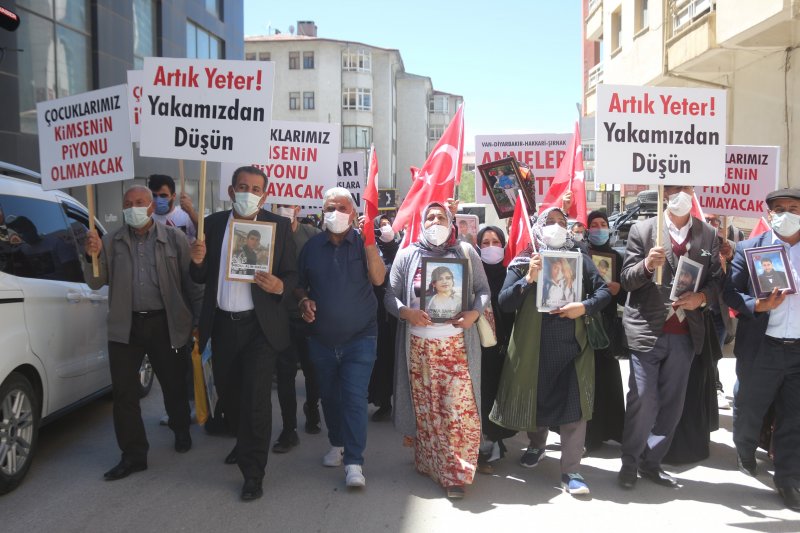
(196, 492)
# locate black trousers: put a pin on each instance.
(149, 335)
(243, 363)
(286, 369)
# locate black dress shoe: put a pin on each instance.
(659, 477)
(312, 418)
(183, 442)
(791, 497)
(251, 490)
(286, 441)
(747, 465)
(627, 477)
(232, 458)
(383, 414)
(124, 469)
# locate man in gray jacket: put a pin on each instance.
(663, 335)
(152, 305)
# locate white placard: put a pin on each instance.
(542, 152)
(301, 163)
(660, 135)
(206, 110)
(751, 172)
(135, 82)
(85, 139)
(352, 175)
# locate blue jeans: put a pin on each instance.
(343, 374)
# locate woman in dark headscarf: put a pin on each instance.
(608, 418)
(381, 383)
(548, 374)
(437, 368)
(492, 242)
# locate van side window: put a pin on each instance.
(36, 242)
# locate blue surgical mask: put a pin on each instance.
(598, 236)
(162, 205)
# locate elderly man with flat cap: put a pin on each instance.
(768, 351)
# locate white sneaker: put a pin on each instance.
(354, 476)
(334, 456)
(722, 401)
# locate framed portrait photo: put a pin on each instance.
(687, 277)
(443, 292)
(251, 246)
(560, 280)
(606, 263)
(504, 179)
(770, 269)
(468, 228)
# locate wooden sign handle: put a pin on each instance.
(659, 227)
(202, 203)
(182, 175)
(90, 202)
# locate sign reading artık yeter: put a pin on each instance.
(135, 82)
(207, 110)
(542, 152)
(660, 135)
(751, 172)
(352, 174)
(85, 139)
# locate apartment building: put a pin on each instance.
(364, 88)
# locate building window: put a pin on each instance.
(249, 56)
(202, 44)
(308, 59)
(642, 21)
(145, 13)
(357, 98)
(264, 56)
(308, 100)
(294, 60)
(435, 133)
(616, 30)
(294, 101)
(439, 104)
(591, 196)
(357, 60)
(57, 58)
(356, 136)
(214, 7)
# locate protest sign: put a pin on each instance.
(206, 110)
(352, 175)
(135, 81)
(751, 172)
(660, 135)
(85, 139)
(542, 152)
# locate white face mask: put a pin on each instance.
(287, 212)
(437, 235)
(491, 255)
(136, 217)
(785, 224)
(554, 236)
(337, 222)
(246, 203)
(577, 237)
(680, 204)
(387, 233)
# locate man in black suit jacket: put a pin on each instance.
(663, 336)
(248, 324)
(768, 352)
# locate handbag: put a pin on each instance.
(485, 323)
(595, 331)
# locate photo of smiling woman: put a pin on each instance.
(443, 296)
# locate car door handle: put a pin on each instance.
(74, 297)
(97, 297)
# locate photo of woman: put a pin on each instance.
(559, 282)
(444, 301)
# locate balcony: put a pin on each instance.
(685, 12)
(594, 20)
(594, 77)
(693, 40)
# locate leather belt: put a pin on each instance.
(236, 315)
(148, 314)
(782, 341)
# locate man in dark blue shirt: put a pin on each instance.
(335, 296)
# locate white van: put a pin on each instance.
(52, 325)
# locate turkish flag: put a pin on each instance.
(435, 181)
(519, 236)
(569, 177)
(697, 211)
(761, 227)
(371, 197)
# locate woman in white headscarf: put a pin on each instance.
(437, 367)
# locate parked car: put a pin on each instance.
(52, 325)
(644, 207)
